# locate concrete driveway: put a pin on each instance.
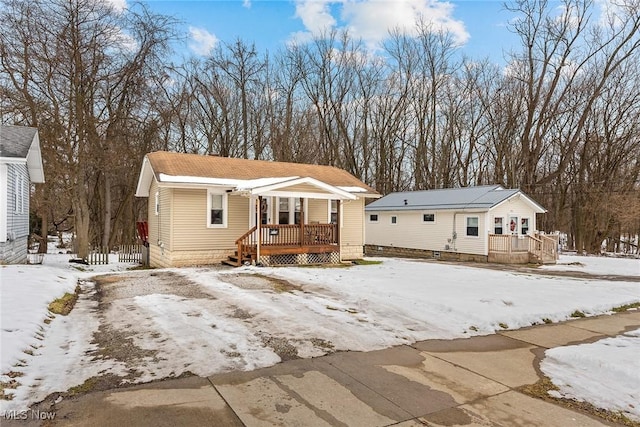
(469, 382)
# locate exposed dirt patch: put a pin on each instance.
(118, 345)
(281, 346)
(239, 313)
(259, 281)
(542, 388)
(119, 286)
(65, 304)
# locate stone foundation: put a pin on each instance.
(348, 253)
(164, 258)
(393, 251)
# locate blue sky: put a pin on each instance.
(480, 26)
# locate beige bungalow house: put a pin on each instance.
(211, 209)
(484, 223)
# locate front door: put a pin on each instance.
(263, 211)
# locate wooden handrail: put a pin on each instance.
(244, 242)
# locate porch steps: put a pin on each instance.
(235, 261)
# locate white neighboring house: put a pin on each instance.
(484, 223)
(20, 166)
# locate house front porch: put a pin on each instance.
(286, 244)
(523, 249)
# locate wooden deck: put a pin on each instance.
(285, 239)
(518, 249)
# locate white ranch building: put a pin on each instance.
(484, 223)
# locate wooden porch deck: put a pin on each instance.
(519, 249)
(285, 239)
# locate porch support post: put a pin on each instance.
(338, 223)
(259, 227)
(301, 220)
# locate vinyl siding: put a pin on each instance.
(513, 207)
(190, 231)
(318, 210)
(352, 231)
(303, 188)
(160, 225)
(14, 249)
(411, 232)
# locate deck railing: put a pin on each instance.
(296, 235)
(287, 235)
(542, 246)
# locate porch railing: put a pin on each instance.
(296, 235)
(287, 235)
(542, 246)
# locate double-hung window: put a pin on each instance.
(498, 227)
(472, 226)
(524, 225)
(283, 210)
(429, 218)
(217, 210)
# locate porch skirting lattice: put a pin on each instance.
(300, 259)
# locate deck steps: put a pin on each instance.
(236, 261)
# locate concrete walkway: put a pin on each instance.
(468, 382)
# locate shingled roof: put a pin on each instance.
(167, 164)
(19, 143)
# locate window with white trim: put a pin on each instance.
(472, 226)
(524, 225)
(429, 218)
(333, 211)
(498, 225)
(296, 213)
(157, 205)
(373, 217)
(216, 210)
(283, 210)
(394, 219)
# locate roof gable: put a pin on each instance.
(19, 144)
(479, 198)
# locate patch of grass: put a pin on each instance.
(578, 314)
(473, 328)
(85, 387)
(626, 307)
(141, 267)
(542, 388)
(547, 320)
(280, 285)
(65, 304)
(365, 262)
(503, 325)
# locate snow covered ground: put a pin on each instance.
(208, 320)
(597, 265)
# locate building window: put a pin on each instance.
(296, 214)
(513, 225)
(373, 218)
(429, 217)
(524, 225)
(283, 210)
(333, 212)
(498, 225)
(394, 219)
(18, 197)
(157, 205)
(217, 210)
(472, 226)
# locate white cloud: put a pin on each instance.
(118, 5)
(246, 3)
(202, 42)
(372, 20)
(316, 15)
